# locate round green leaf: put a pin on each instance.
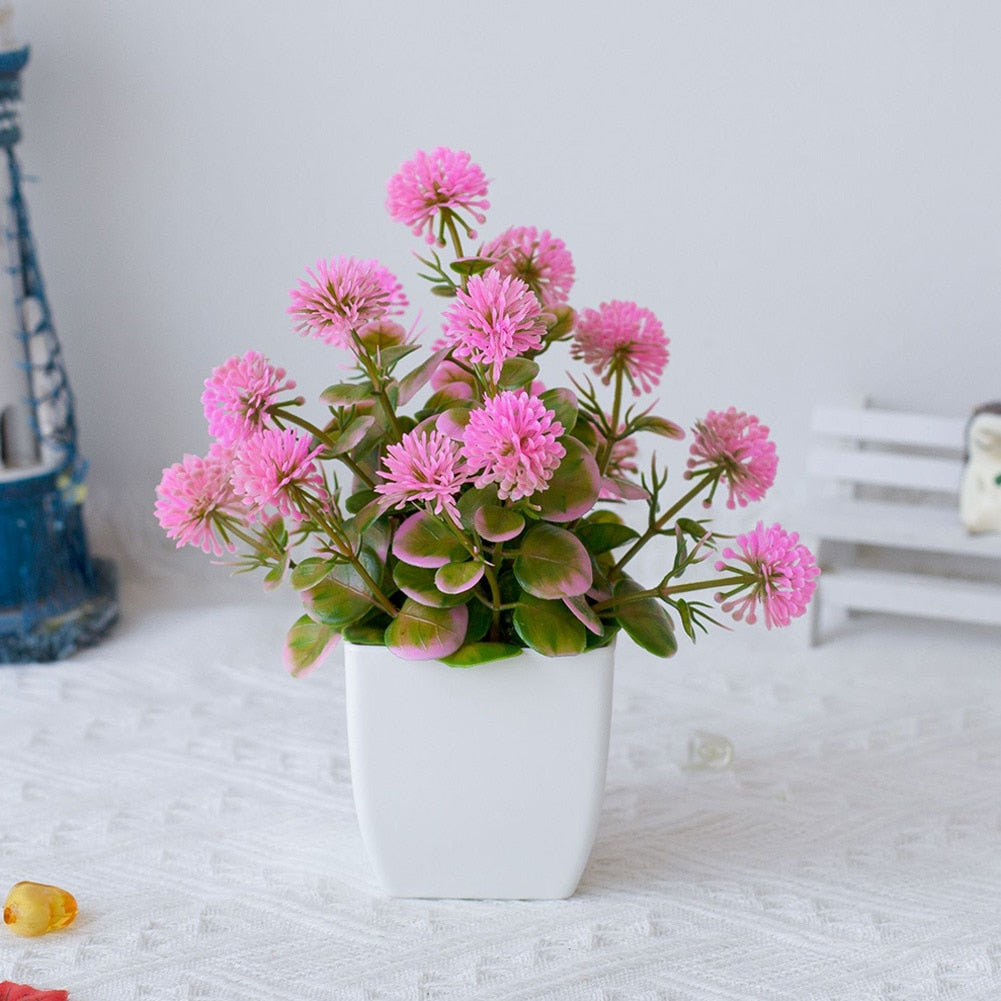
(602, 537)
(458, 578)
(563, 403)
(498, 524)
(552, 563)
(549, 627)
(424, 541)
(422, 633)
(342, 596)
(418, 583)
(574, 487)
(517, 373)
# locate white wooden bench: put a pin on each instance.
(883, 520)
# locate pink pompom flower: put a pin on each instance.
(436, 186)
(494, 319)
(735, 447)
(513, 442)
(423, 466)
(621, 337)
(277, 468)
(196, 501)
(342, 296)
(540, 260)
(776, 571)
(238, 394)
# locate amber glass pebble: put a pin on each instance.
(37, 908)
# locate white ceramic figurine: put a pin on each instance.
(980, 489)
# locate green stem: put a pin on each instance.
(606, 452)
(453, 232)
(658, 524)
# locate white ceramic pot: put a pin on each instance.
(478, 782)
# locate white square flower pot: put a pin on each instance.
(478, 782)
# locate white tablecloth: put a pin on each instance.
(197, 802)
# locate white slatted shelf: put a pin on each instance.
(891, 480)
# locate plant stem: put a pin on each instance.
(610, 440)
(658, 524)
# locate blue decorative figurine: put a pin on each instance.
(54, 598)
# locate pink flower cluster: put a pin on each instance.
(781, 575)
(436, 186)
(494, 319)
(423, 466)
(621, 337)
(195, 499)
(513, 441)
(343, 296)
(540, 260)
(251, 468)
(735, 446)
(238, 394)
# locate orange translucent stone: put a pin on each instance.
(37, 908)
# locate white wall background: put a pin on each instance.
(807, 194)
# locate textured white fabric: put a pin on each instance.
(197, 802)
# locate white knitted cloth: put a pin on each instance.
(197, 802)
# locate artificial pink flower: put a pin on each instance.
(735, 446)
(195, 501)
(238, 394)
(494, 319)
(513, 442)
(10, 991)
(437, 185)
(344, 295)
(621, 337)
(277, 468)
(540, 260)
(776, 570)
(423, 466)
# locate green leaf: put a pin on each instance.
(395, 353)
(414, 381)
(366, 635)
(574, 487)
(481, 653)
(644, 620)
(424, 541)
(585, 613)
(345, 394)
(563, 403)
(658, 425)
(552, 563)
(418, 583)
(498, 524)
(352, 434)
(517, 373)
(307, 644)
(422, 633)
(309, 572)
(445, 291)
(563, 325)
(602, 537)
(472, 265)
(549, 627)
(342, 596)
(458, 578)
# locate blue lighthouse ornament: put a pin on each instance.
(54, 598)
